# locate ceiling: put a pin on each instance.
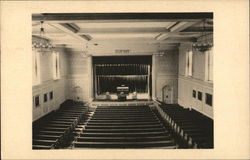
(75, 30)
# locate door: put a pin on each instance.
(167, 96)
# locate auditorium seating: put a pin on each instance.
(167, 126)
(124, 127)
(193, 127)
(55, 130)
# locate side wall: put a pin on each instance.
(80, 77)
(196, 82)
(165, 70)
(59, 87)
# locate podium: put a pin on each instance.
(122, 92)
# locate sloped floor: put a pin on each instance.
(124, 127)
(76, 126)
(195, 128)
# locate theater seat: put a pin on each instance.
(124, 127)
(195, 128)
(53, 132)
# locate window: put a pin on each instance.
(199, 95)
(209, 99)
(56, 66)
(35, 67)
(51, 95)
(194, 93)
(209, 65)
(189, 63)
(45, 98)
(37, 101)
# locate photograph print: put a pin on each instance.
(122, 80)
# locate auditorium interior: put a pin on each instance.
(122, 80)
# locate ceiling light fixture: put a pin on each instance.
(43, 45)
(203, 45)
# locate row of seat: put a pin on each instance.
(56, 132)
(195, 128)
(124, 127)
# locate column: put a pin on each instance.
(90, 78)
(154, 76)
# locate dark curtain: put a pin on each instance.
(109, 76)
(121, 69)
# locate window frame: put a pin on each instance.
(56, 65)
(45, 98)
(36, 68)
(200, 96)
(34, 101)
(207, 96)
(194, 94)
(209, 65)
(189, 63)
(51, 95)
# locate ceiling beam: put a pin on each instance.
(180, 40)
(162, 36)
(181, 26)
(68, 31)
(146, 40)
(198, 29)
(122, 16)
(116, 54)
(81, 32)
(122, 30)
(174, 29)
(71, 26)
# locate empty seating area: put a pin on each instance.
(194, 128)
(124, 127)
(77, 126)
(55, 130)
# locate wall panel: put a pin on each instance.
(196, 82)
(80, 77)
(78, 87)
(165, 70)
(59, 87)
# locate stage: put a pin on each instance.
(141, 102)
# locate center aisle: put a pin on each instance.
(124, 127)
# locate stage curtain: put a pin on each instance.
(121, 69)
(109, 76)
